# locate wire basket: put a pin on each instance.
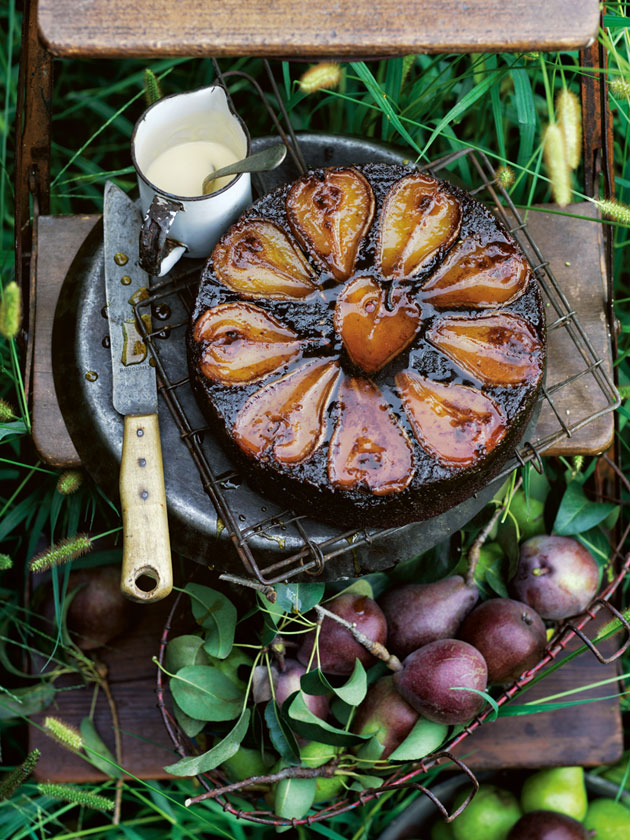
(216, 786)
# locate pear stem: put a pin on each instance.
(326, 771)
(375, 648)
(474, 553)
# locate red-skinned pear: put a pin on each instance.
(556, 576)
(547, 825)
(338, 649)
(509, 634)
(288, 682)
(385, 714)
(431, 674)
(419, 613)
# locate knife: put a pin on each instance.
(147, 574)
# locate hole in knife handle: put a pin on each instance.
(147, 580)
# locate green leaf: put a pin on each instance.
(298, 597)
(308, 725)
(280, 733)
(216, 614)
(364, 782)
(225, 749)
(577, 513)
(231, 664)
(22, 702)
(294, 797)
(351, 692)
(191, 726)
(358, 587)
(487, 697)
(425, 737)
(184, 650)
(97, 750)
(16, 427)
(204, 693)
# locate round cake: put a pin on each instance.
(369, 342)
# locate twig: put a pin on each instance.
(268, 591)
(474, 552)
(375, 648)
(101, 671)
(293, 772)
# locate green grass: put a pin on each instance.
(429, 106)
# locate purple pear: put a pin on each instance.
(338, 649)
(288, 682)
(419, 613)
(430, 674)
(385, 714)
(556, 576)
(547, 825)
(510, 636)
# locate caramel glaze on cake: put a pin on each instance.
(370, 343)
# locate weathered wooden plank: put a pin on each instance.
(340, 28)
(59, 238)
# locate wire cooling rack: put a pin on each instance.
(178, 291)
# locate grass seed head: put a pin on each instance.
(556, 163)
(12, 781)
(620, 88)
(152, 90)
(5, 562)
(322, 76)
(6, 412)
(569, 115)
(63, 733)
(505, 176)
(10, 310)
(80, 796)
(615, 210)
(69, 482)
(61, 552)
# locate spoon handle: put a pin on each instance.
(259, 162)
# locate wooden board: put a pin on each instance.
(575, 251)
(588, 734)
(341, 28)
(59, 238)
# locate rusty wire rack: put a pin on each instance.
(314, 552)
(407, 777)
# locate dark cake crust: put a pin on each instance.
(435, 486)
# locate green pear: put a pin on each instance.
(328, 788)
(314, 754)
(245, 763)
(609, 820)
(489, 816)
(441, 830)
(557, 789)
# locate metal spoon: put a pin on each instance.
(259, 162)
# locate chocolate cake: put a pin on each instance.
(369, 342)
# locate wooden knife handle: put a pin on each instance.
(147, 573)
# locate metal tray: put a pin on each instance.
(197, 530)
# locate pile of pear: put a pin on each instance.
(446, 647)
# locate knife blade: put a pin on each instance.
(146, 566)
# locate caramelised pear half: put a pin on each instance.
(419, 222)
(497, 349)
(257, 260)
(455, 423)
(372, 334)
(330, 213)
(368, 448)
(243, 343)
(478, 276)
(419, 613)
(286, 417)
